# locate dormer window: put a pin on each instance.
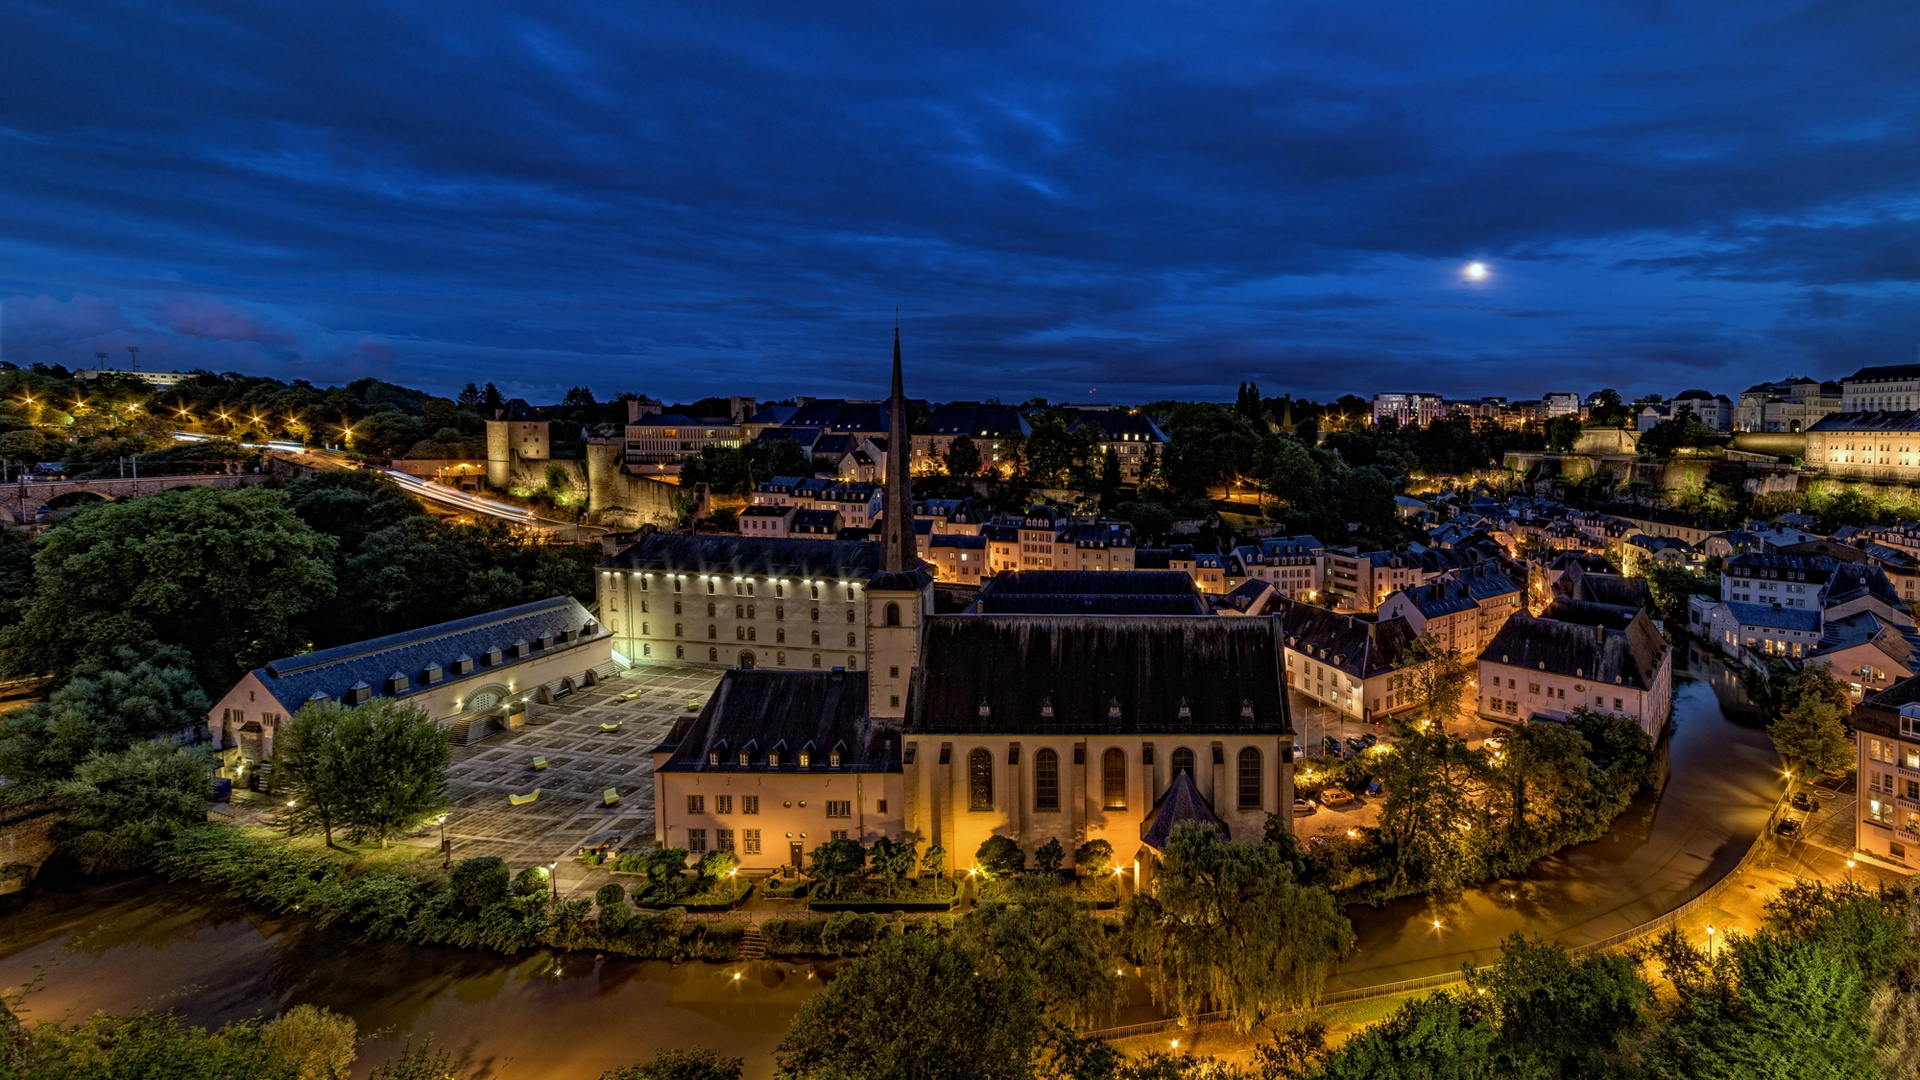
(833, 759)
(986, 710)
(806, 759)
(713, 757)
(1046, 707)
(773, 759)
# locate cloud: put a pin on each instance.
(734, 198)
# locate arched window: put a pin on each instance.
(713, 654)
(1183, 762)
(893, 614)
(1046, 780)
(1113, 779)
(780, 634)
(816, 637)
(746, 659)
(711, 610)
(980, 780)
(1249, 779)
(815, 590)
(849, 614)
(851, 641)
(816, 656)
(713, 631)
(816, 614)
(739, 611)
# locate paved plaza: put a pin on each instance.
(582, 762)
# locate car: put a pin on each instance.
(1374, 788)
(1357, 743)
(1369, 739)
(1788, 827)
(1332, 746)
(1304, 808)
(1494, 745)
(1317, 842)
(1804, 801)
(1337, 798)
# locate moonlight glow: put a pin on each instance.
(1475, 271)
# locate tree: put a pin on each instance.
(478, 883)
(1049, 856)
(836, 862)
(377, 769)
(231, 575)
(1561, 1015)
(1286, 471)
(1442, 1035)
(999, 856)
(1430, 815)
(469, 396)
(579, 397)
(716, 864)
(696, 1064)
(348, 504)
(963, 1023)
(1044, 934)
(491, 400)
(1094, 858)
(892, 859)
(933, 861)
(135, 695)
(1228, 925)
(1813, 735)
(1437, 678)
(121, 806)
(963, 458)
(1367, 500)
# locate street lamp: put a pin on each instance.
(446, 850)
(1709, 942)
(552, 881)
(289, 818)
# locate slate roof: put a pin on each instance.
(1090, 592)
(561, 623)
(1588, 613)
(786, 711)
(756, 556)
(1886, 373)
(1121, 424)
(1360, 648)
(1900, 420)
(1611, 589)
(977, 421)
(1181, 804)
(518, 411)
(1006, 674)
(1897, 642)
(1625, 658)
(1805, 620)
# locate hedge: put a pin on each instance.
(425, 911)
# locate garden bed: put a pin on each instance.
(878, 895)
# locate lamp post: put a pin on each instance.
(1710, 942)
(290, 819)
(553, 883)
(446, 849)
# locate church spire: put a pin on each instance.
(899, 550)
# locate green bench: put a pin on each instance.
(610, 797)
(539, 763)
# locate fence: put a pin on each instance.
(1448, 978)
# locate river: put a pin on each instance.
(133, 942)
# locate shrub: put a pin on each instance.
(533, 881)
(1095, 857)
(1000, 856)
(716, 865)
(1048, 856)
(479, 883)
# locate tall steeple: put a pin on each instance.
(899, 550)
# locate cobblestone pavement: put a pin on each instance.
(582, 762)
(1831, 825)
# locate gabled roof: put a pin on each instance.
(757, 711)
(545, 626)
(1805, 620)
(1121, 425)
(1861, 628)
(1360, 648)
(1089, 592)
(977, 421)
(758, 556)
(1886, 373)
(1624, 658)
(1903, 420)
(1100, 675)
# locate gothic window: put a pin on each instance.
(980, 780)
(1046, 780)
(1249, 779)
(1183, 762)
(1113, 779)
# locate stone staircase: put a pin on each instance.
(753, 945)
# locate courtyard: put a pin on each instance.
(583, 761)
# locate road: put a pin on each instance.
(1669, 847)
(438, 494)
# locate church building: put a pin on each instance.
(851, 710)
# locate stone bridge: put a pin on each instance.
(24, 501)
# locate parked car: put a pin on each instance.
(1804, 801)
(1369, 739)
(1374, 788)
(1495, 745)
(1355, 743)
(1332, 746)
(1788, 827)
(1304, 808)
(1337, 798)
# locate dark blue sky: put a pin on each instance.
(1141, 200)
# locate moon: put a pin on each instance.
(1476, 271)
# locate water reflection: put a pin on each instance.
(129, 943)
(1720, 775)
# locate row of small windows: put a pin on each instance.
(745, 587)
(748, 633)
(746, 658)
(1113, 778)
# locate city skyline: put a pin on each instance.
(1058, 201)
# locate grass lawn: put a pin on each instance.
(423, 863)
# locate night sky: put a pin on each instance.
(1140, 201)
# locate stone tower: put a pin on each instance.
(900, 596)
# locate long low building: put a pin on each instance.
(1611, 660)
(476, 670)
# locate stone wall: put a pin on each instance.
(1776, 443)
(26, 841)
(619, 499)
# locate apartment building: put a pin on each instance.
(1547, 667)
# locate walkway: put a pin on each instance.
(1669, 847)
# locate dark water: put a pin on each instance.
(136, 942)
(1721, 779)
